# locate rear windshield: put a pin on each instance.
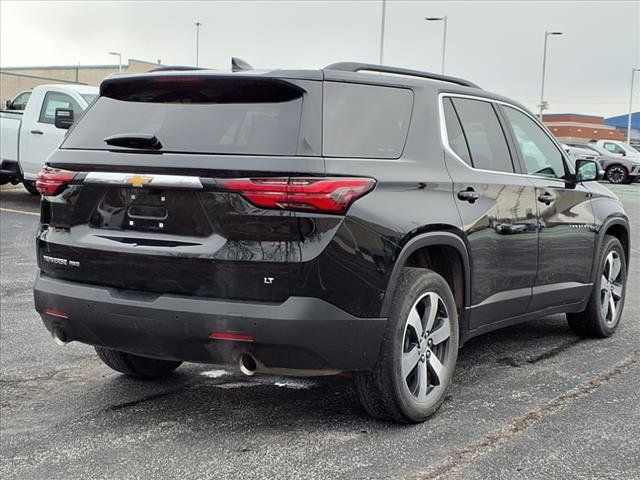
(365, 121)
(217, 118)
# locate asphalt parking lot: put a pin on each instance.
(530, 401)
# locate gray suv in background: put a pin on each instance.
(617, 169)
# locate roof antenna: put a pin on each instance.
(239, 65)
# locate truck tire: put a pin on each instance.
(602, 316)
(136, 366)
(418, 353)
(30, 186)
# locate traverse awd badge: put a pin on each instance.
(60, 261)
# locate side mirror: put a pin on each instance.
(588, 170)
(9, 104)
(63, 118)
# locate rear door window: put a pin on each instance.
(365, 121)
(455, 135)
(485, 137)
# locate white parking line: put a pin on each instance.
(24, 212)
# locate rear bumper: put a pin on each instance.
(300, 333)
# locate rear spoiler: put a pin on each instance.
(199, 87)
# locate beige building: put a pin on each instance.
(15, 80)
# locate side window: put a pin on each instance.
(20, 102)
(613, 148)
(455, 136)
(53, 100)
(484, 135)
(540, 154)
(365, 121)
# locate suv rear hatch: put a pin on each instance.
(188, 184)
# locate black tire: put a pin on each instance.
(136, 366)
(385, 393)
(617, 174)
(594, 321)
(30, 187)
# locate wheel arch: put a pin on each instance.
(430, 241)
(617, 227)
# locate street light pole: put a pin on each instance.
(119, 60)
(384, 10)
(544, 68)
(633, 74)
(444, 35)
(198, 25)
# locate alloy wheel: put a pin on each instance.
(616, 174)
(611, 290)
(426, 352)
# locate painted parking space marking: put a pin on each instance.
(24, 212)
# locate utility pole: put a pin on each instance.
(544, 69)
(198, 25)
(444, 35)
(384, 10)
(633, 74)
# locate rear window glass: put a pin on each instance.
(365, 121)
(222, 118)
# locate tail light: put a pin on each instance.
(52, 181)
(331, 195)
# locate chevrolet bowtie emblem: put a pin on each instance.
(138, 181)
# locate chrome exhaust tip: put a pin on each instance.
(59, 336)
(248, 364)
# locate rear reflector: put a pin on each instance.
(56, 313)
(51, 181)
(331, 195)
(238, 337)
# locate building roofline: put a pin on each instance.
(73, 67)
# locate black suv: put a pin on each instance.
(357, 218)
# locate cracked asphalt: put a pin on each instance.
(530, 401)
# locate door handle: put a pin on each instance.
(546, 198)
(37, 132)
(468, 195)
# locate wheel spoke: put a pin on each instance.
(409, 361)
(603, 282)
(437, 367)
(616, 264)
(612, 307)
(432, 312)
(605, 304)
(422, 381)
(416, 322)
(442, 333)
(617, 291)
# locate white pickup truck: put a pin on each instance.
(29, 136)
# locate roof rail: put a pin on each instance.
(358, 67)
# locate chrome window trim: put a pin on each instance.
(155, 180)
(444, 138)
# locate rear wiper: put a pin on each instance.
(145, 141)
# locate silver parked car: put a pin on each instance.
(617, 169)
